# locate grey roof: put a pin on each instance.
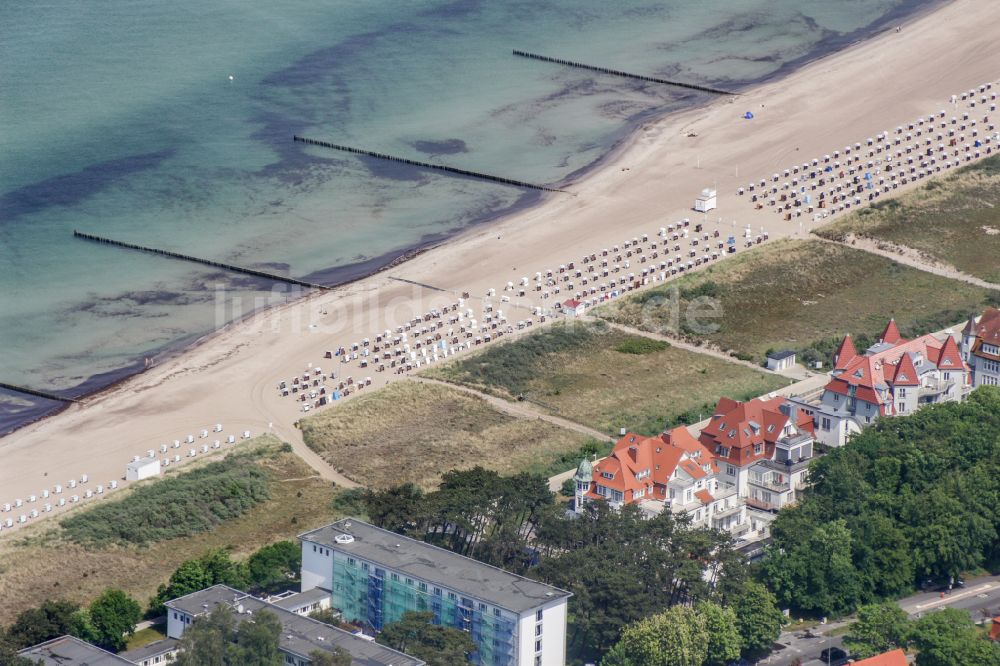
(71, 651)
(301, 599)
(299, 634)
(145, 652)
(435, 565)
(781, 355)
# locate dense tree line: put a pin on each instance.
(946, 637)
(910, 499)
(620, 566)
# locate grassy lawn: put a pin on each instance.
(954, 219)
(413, 432)
(803, 295)
(43, 561)
(144, 637)
(597, 375)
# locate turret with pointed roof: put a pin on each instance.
(845, 353)
(891, 334)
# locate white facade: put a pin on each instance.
(542, 635)
(706, 201)
(317, 567)
(142, 469)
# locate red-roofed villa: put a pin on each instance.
(894, 376)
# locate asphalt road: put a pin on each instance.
(980, 595)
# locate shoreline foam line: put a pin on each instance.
(427, 165)
(618, 72)
(36, 393)
(198, 260)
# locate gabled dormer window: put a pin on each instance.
(607, 475)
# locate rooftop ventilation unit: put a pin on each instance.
(344, 538)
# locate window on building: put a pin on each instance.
(482, 607)
(364, 566)
(758, 447)
(538, 630)
(902, 393)
(352, 562)
(730, 470)
(496, 612)
(314, 548)
(451, 596)
(538, 660)
(538, 645)
(395, 577)
(437, 591)
(538, 615)
(825, 424)
(409, 581)
(422, 587)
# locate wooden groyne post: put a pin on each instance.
(617, 72)
(36, 393)
(427, 165)
(198, 260)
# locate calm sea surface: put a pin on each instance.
(121, 119)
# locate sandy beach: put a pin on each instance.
(649, 182)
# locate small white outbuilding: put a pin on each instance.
(706, 201)
(137, 470)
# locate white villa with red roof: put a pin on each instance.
(763, 448)
(673, 471)
(752, 453)
(894, 376)
(981, 348)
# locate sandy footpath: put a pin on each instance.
(652, 181)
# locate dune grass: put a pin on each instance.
(42, 561)
(597, 375)
(954, 219)
(414, 432)
(801, 295)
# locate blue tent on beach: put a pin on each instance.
(748, 115)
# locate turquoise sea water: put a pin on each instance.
(121, 119)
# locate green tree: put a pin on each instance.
(949, 638)
(189, 577)
(879, 628)
(208, 641)
(36, 625)
(215, 567)
(676, 637)
(758, 619)
(114, 615)
(336, 657)
(274, 567)
(724, 639)
(257, 640)
(568, 488)
(437, 645)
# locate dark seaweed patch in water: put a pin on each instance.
(72, 188)
(445, 147)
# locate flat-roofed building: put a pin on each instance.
(71, 651)
(300, 635)
(376, 576)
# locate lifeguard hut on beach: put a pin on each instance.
(706, 201)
